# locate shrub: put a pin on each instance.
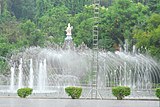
(120, 92)
(74, 92)
(24, 92)
(158, 92)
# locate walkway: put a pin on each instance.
(18, 102)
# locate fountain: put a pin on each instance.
(31, 74)
(20, 85)
(42, 76)
(49, 70)
(12, 79)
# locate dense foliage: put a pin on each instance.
(39, 22)
(24, 92)
(149, 37)
(158, 92)
(74, 92)
(121, 91)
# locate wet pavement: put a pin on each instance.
(30, 102)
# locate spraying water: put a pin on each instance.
(52, 68)
(20, 75)
(12, 79)
(67, 67)
(31, 74)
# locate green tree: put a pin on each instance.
(31, 35)
(153, 22)
(42, 6)
(122, 17)
(149, 37)
(82, 23)
(53, 23)
(9, 35)
(154, 6)
(4, 13)
(83, 27)
(4, 46)
(22, 9)
(74, 6)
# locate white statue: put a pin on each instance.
(69, 33)
(68, 30)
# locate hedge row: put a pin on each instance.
(75, 92)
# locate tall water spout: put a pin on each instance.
(125, 74)
(20, 75)
(126, 46)
(45, 73)
(31, 77)
(120, 75)
(134, 49)
(12, 79)
(42, 76)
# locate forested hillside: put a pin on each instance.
(25, 23)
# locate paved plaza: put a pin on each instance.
(20, 102)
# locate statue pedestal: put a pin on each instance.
(68, 43)
(68, 38)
